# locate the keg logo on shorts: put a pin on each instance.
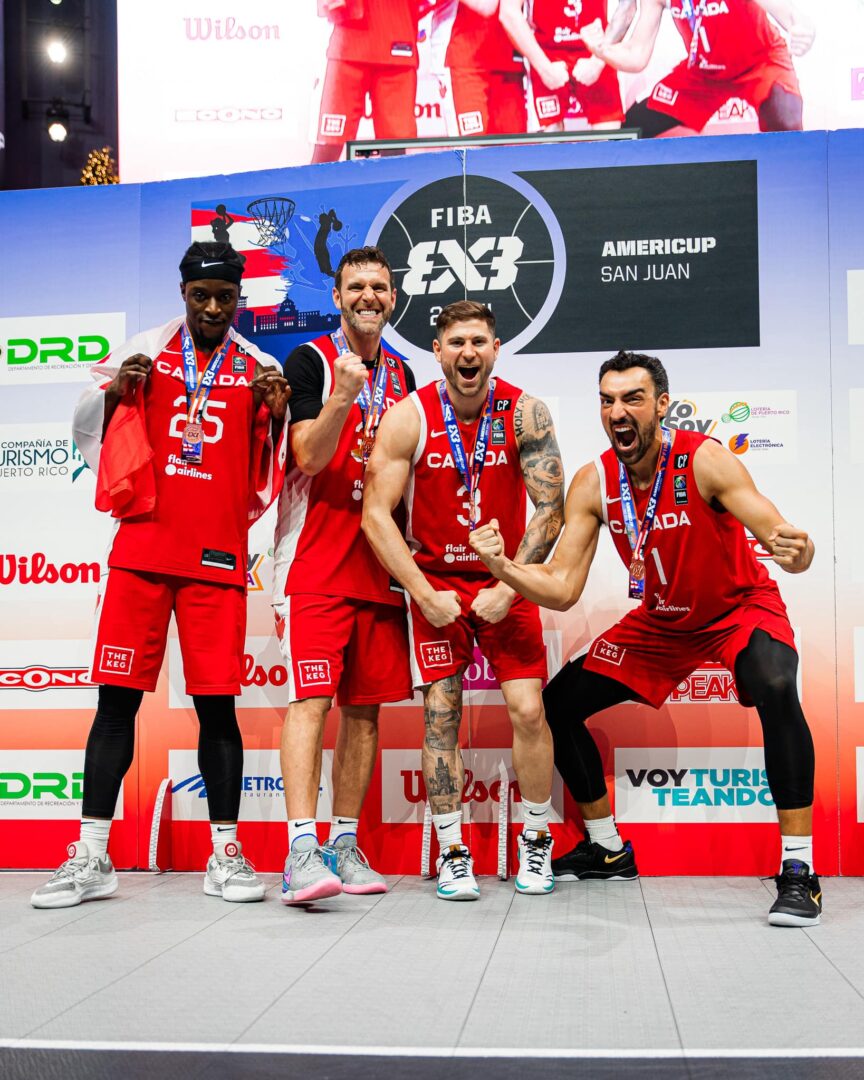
(607, 650)
(313, 672)
(116, 660)
(436, 653)
(470, 238)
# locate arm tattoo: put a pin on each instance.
(544, 478)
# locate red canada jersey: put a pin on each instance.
(437, 500)
(698, 563)
(733, 35)
(556, 23)
(320, 547)
(480, 43)
(198, 528)
(387, 34)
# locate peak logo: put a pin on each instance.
(476, 237)
(711, 684)
(698, 784)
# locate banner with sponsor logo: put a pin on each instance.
(712, 253)
(441, 61)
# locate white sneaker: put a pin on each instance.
(456, 879)
(230, 875)
(535, 863)
(82, 877)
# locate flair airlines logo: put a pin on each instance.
(43, 784)
(698, 784)
(46, 675)
(57, 348)
(263, 792)
(495, 242)
(403, 792)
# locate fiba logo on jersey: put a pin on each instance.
(472, 238)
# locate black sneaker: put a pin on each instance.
(799, 896)
(589, 860)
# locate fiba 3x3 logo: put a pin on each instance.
(475, 238)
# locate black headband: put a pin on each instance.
(199, 268)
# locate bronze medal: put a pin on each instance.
(637, 569)
(368, 447)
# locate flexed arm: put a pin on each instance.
(559, 583)
(632, 55)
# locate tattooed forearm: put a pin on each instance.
(443, 772)
(544, 478)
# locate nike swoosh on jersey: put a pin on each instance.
(612, 498)
(436, 434)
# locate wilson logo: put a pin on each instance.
(35, 569)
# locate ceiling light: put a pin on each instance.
(58, 123)
(56, 52)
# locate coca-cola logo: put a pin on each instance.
(474, 789)
(256, 674)
(35, 569)
(37, 677)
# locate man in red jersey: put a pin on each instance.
(372, 50)
(733, 50)
(182, 432)
(561, 65)
(487, 76)
(339, 616)
(675, 503)
(469, 447)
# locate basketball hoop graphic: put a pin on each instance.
(271, 216)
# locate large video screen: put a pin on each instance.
(210, 86)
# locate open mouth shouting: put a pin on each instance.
(625, 437)
(469, 373)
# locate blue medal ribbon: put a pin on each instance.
(695, 20)
(470, 475)
(198, 387)
(638, 535)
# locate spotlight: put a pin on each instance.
(58, 122)
(56, 52)
(56, 3)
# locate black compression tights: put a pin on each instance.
(111, 745)
(765, 672)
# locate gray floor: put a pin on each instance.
(644, 969)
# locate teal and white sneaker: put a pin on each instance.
(229, 874)
(352, 867)
(306, 877)
(535, 863)
(456, 879)
(82, 877)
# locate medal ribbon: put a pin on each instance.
(198, 386)
(636, 535)
(695, 21)
(371, 402)
(470, 475)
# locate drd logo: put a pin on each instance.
(471, 238)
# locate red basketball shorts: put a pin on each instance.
(132, 629)
(392, 88)
(488, 102)
(653, 661)
(601, 103)
(692, 99)
(355, 650)
(514, 647)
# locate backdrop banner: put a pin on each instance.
(737, 260)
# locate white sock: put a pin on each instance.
(603, 831)
(94, 833)
(799, 848)
(536, 815)
(222, 833)
(343, 826)
(298, 827)
(448, 828)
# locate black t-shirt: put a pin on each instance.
(304, 370)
